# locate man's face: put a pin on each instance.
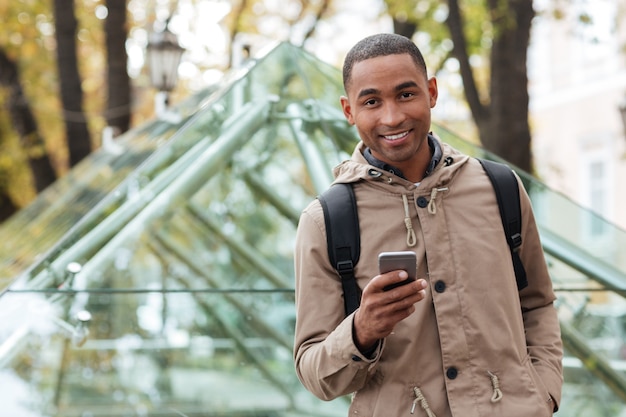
(389, 101)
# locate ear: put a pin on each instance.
(433, 91)
(347, 109)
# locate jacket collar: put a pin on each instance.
(435, 151)
(357, 168)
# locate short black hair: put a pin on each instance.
(381, 44)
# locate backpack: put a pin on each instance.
(344, 238)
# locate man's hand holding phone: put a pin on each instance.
(396, 261)
(388, 298)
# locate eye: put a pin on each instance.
(406, 94)
(370, 102)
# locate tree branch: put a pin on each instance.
(234, 29)
(318, 16)
(480, 112)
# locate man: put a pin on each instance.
(461, 340)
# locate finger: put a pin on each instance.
(383, 281)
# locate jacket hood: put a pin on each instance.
(358, 169)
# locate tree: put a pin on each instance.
(502, 118)
(499, 31)
(118, 98)
(244, 19)
(25, 125)
(26, 165)
(71, 90)
(39, 67)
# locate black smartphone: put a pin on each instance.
(392, 261)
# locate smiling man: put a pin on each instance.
(389, 101)
(460, 340)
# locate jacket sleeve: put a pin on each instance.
(327, 361)
(541, 323)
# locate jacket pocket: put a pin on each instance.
(542, 393)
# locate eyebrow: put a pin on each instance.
(399, 87)
(407, 84)
(368, 91)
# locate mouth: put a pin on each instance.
(396, 136)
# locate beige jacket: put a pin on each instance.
(475, 347)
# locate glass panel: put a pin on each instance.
(191, 353)
(593, 323)
(105, 192)
(171, 290)
(110, 173)
(583, 396)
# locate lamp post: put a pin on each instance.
(163, 54)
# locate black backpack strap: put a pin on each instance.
(507, 193)
(343, 239)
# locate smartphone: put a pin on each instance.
(392, 261)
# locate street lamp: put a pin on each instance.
(163, 54)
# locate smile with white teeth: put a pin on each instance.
(397, 136)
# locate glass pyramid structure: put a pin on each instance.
(156, 278)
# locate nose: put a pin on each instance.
(391, 114)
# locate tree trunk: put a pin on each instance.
(404, 27)
(25, 125)
(508, 132)
(118, 103)
(7, 208)
(502, 122)
(78, 140)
